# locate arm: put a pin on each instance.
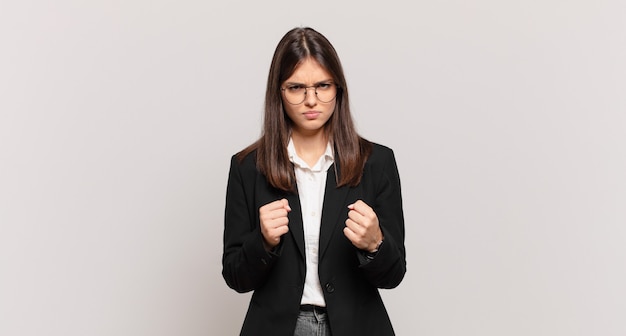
(245, 261)
(387, 268)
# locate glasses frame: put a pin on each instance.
(315, 86)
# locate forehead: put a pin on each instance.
(309, 71)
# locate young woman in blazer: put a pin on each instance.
(313, 222)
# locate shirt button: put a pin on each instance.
(312, 213)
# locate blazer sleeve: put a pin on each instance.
(388, 267)
(245, 262)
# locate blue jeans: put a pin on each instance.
(312, 323)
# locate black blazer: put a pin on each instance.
(350, 281)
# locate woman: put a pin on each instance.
(313, 222)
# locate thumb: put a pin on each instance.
(286, 204)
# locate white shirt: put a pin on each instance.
(311, 183)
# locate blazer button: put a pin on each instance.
(329, 287)
(264, 261)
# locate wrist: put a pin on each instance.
(267, 246)
(377, 246)
(371, 254)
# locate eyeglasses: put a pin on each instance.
(296, 93)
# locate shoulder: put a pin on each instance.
(244, 161)
(380, 154)
(380, 168)
(381, 161)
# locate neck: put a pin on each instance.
(310, 147)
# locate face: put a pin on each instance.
(309, 116)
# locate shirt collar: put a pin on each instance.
(325, 161)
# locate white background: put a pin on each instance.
(118, 120)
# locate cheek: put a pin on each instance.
(333, 110)
(289, 112)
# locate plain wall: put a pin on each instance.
(118, 120)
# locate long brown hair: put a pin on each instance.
(351, 150)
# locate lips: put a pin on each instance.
(310, 115)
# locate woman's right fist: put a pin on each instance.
(274, 222)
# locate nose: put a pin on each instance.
(310, 97)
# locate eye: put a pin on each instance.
(324, 86)
(294, 88)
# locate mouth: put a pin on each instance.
(311, 114)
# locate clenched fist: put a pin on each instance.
(362, 227)
(273, 217)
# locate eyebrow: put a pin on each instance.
(326, 81)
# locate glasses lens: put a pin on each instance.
(326, 92)
(295, 94)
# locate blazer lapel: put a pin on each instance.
(334, 209)
(295, 221)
